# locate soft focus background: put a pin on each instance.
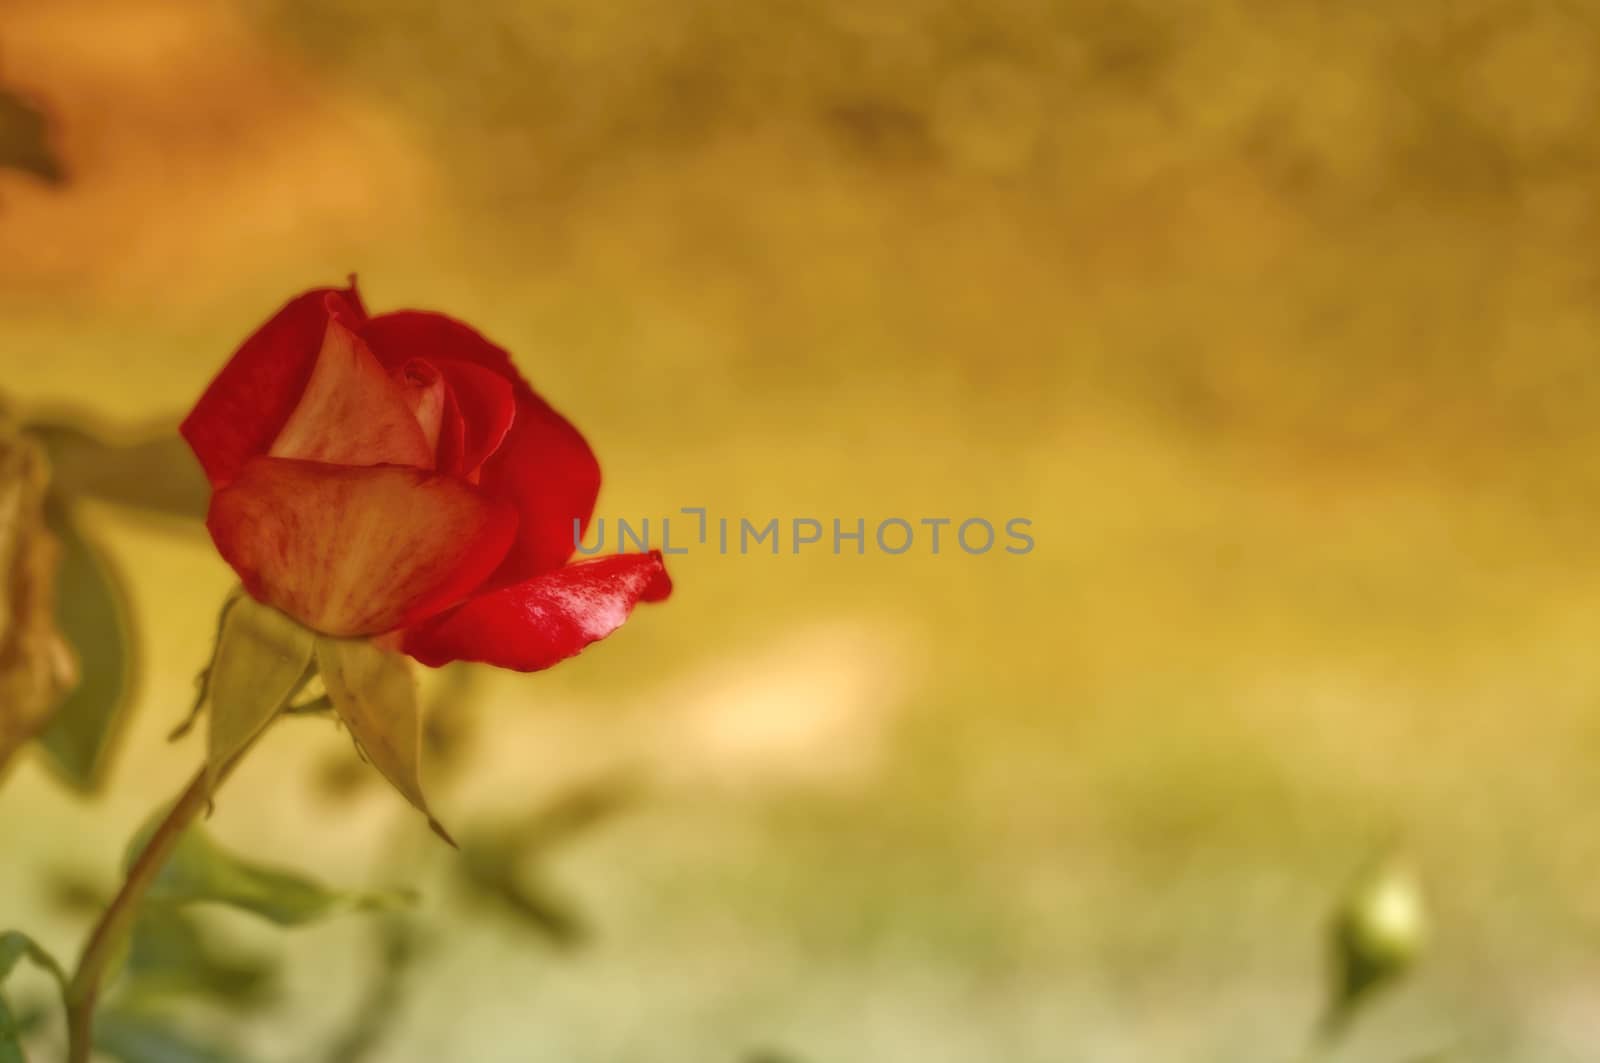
(1278, 319)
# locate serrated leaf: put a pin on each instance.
(92, 613)
(375, 694)
(156, 473)
(201, 871)
(140, 1037)
(261, 660)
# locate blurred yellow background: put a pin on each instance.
(1278, 320)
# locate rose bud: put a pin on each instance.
(396, 476)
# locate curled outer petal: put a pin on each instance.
(252, 398)
(534, 624)
(353, 412)
(352, 551)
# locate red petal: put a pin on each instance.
(547, 471)
(246, 406)
(483, 412)
(544, 467)
(532, 625)
(353, 412)
(355, 551)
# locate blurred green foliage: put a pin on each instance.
(172, 957)
(93, 614)
(504, 862)
(201, 871)
(14, 947)
(134, 1036)
(151, 471)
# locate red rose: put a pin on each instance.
(395, 474)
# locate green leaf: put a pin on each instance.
(15, 945)
(10, 1036)
(529, 899)
(134, 1036)
(261, 660)
(173, 955)
(201, 871)
(504, 862)
(400, 947)
(155, 472)
(375, 694)
(92, 613)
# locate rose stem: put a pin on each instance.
(83, 991)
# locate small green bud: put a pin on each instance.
(1380, 931)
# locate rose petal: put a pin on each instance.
(401, 335)
(481, 415)
(246, 406)
(355, 551)
(544, 467)
(547, 471)
(353, 412)
(534, 624)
